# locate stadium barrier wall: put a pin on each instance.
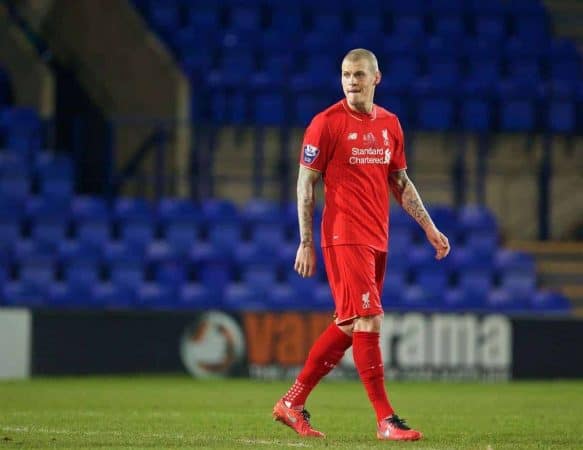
(272, 345)
(15, 343)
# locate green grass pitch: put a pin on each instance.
(180, 412)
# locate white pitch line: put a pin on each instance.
(267, 442)
(21, 429)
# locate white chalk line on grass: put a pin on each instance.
(65, 432)
(268, 442)
(83, 413)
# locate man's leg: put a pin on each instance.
(325, 353)
(368, 360)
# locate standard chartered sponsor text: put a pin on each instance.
(370, 155)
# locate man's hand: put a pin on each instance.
(305, 264)
(439, 242)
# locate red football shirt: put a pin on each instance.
(355, 153)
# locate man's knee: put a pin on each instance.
(370, 324)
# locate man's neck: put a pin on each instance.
(363, 108)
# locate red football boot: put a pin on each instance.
(395, 429)
(298, 420)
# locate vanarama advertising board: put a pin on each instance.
(414, 346)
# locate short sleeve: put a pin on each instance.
(316, 151)
(398, 160)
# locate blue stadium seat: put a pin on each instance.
(171, 274)
(286, 17)
(435, 103)
(302, 288)
(126, 271)
(164, 15)
(450, 25)
(136, 222)
(49, 221)
(215, 275)
(319, 70)
(501, 300)
(560, 100)
(194, 296)
(37, 270)
(92, 220)
(401, 71)
(201, 17)
(483, 243)
(321, 300)
(110, 296)
(136, 231)
(306, 106)
(239, 297)
(421, 256)
(55, 174)
(270, 109)
(476, 283)
(225, 237)
(81, 274)
(517, 109)
(476, 218)
(394, 286)
(459, 300)
(14, 186)
(550, 302)
(534, 29)
(327, 22)
(66, 296)
(491, 26)
(511, 260)
(476, 115)
(21, 294)
(155, 296)
(181, 223)
(11, 217)
(22, 129)
(519, 283)
(281, 298)
(218, 210)
(369, 22)
(414, 298)
(433, 281)
(244, 17)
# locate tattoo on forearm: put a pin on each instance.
(407, 196)
(306, 201)
(411, 202)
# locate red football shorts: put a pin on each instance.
(356, 274)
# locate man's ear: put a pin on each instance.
(378, 77)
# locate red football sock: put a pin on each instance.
(326, 352)
(367, 358)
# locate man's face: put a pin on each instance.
(358, 82)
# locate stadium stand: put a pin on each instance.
(515, 75)
(452, 64)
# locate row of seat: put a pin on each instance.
(238, 297)
(341, 16)
(448, 65)
(438, 109)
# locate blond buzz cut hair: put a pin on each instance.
(362, 53)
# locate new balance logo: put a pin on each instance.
(352, 136)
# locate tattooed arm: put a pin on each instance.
(305, 263)
(407, 196)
